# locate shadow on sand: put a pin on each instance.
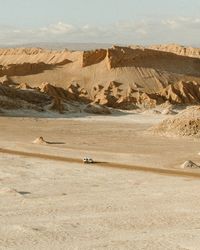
(55, 143)
(23, 192)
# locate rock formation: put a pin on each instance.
(182, 93)
(117, 77)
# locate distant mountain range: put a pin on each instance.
(60, 46)
(92, 46)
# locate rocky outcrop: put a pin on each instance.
(78, 93)
(47, 97)
(52, 91)
(108, 95)
(13, 98)
(33, 97)
(62, 96)
(187, 93)
(112, 95)
(72, 93)
(182, 93)
(179, 93)
(118, 77)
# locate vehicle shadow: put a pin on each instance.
(100, 162)
(55, 143)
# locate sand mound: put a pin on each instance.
(40, 140)
(186, 123)
(98, 109)
(189, 164)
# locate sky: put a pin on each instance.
(100, 21)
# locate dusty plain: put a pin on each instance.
(52, 204)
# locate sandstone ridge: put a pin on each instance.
(117, 77)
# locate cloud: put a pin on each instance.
(146, 31)
(182, 23)
(172, 24)
(59, 28)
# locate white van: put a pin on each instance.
(88, 160)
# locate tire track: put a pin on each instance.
(162, 171)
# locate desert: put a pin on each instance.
(137, 195)
(135, 110)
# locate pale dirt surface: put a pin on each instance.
(58, 205)
(118, 138)
(66, 206)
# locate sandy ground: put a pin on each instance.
(118, 138)
(46, 204)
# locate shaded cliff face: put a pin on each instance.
(119, 77)
(43, 98)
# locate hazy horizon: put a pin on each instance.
(108, 22)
